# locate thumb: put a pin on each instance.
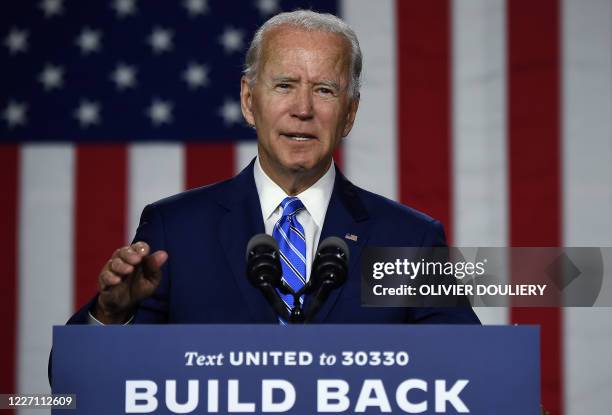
(152, 263)
(151, 275)
(151, 266)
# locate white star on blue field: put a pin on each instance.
(135, 70)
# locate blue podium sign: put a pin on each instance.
(298, 369)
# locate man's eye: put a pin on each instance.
(283, 86)
(326, 91)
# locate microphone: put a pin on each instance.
(329, 271)
(264, 270)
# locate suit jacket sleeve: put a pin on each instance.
(435, 237)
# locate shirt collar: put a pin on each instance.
(315, 198)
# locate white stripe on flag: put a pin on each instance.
(245, 151)
(370, 151)
(479, 130)
(587, 195)
(45, 257)
(155, 171)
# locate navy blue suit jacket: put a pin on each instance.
(205, 232)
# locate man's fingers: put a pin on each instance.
(141, 248)
(125, 259)
(108, 279)
(119, 267)
(133, 265)
(129, 255)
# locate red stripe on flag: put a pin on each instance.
(424, 80)
(534, 160)
(9, 177)
(208, 163)
(100, 212)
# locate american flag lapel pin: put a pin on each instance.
(351, 237)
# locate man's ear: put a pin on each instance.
(246, 101)
(350, 116)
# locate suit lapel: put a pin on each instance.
(240, 223)
(345, 215)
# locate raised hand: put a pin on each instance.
(129, 276)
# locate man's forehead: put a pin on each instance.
(285, 41)
(293, 37)
(289, 29)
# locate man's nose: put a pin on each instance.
(303, 104)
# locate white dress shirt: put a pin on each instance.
(315, 200)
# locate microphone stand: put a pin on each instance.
(323, 287)
(296, 316)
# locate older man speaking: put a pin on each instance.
(300, 91)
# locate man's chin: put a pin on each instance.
(295, 165)
(297, 168)
(295, 162)
(304, 166)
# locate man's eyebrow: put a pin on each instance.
(330, 83)
(290, 79)
(283, 78)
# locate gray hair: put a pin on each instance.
(312, 21)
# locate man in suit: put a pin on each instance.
(300, 91)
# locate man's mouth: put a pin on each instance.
(299, 136)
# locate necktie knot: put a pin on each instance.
(291, 206)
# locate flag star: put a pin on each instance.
(196, 75)
(161, 40)
(232, 40)
(15, 114)
(51, 7)
(267, 7)
(124, 8)
(160, 112)
(89, 41)
(16, 41)
(196, 7)
(88, 113)
(124, 76)
(231, 112)
(52, 77)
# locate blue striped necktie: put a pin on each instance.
(291, 239)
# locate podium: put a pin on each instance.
(299, 369)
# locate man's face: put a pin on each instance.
(300, 102)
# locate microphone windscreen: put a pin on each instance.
(263, 240)
(335, 242)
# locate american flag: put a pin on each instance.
(493, 116)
